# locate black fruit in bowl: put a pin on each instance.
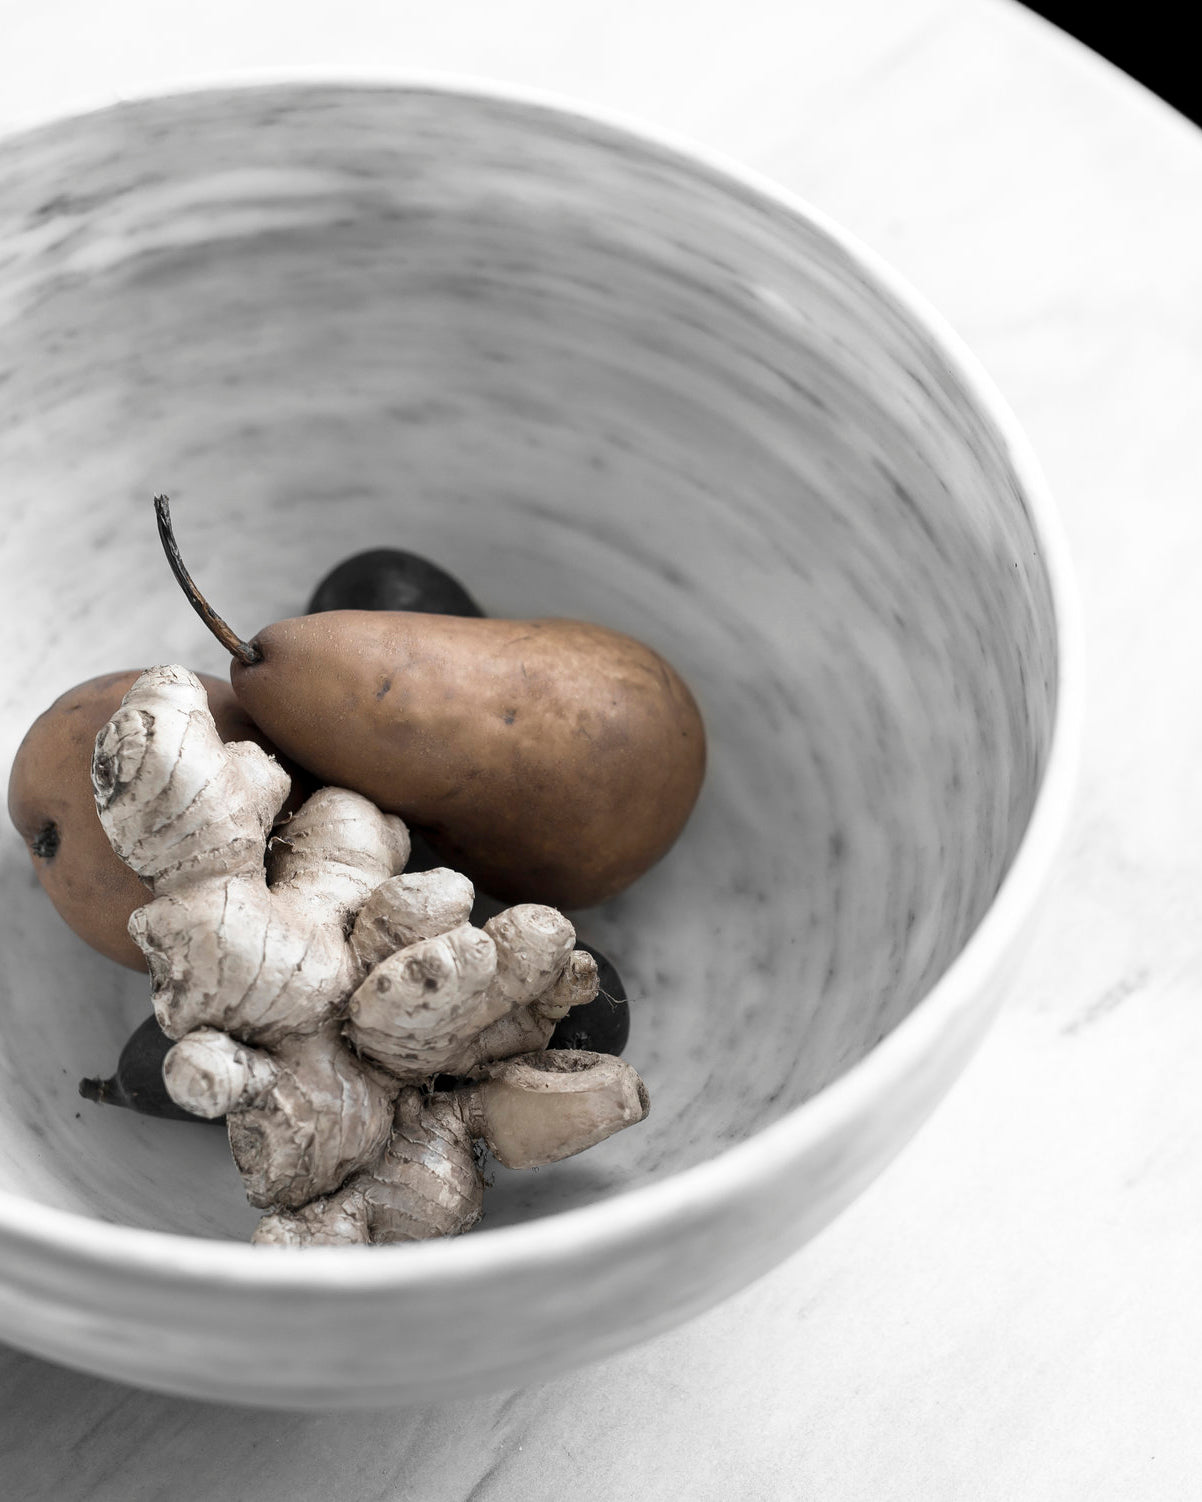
(137, 1082)
(391, 579)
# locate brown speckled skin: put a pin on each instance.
(550, 760)
(51, 782)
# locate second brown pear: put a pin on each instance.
(550, 760)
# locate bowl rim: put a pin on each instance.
(629, 1215)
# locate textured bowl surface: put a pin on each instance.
(593, 375)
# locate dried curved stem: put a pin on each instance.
(245, 651)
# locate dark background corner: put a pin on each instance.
(1152, 42)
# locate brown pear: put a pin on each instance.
(549, 760)
(51, 803)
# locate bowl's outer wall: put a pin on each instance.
(595, 379)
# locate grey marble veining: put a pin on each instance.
(593, 378)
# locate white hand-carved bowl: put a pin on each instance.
(597, 375)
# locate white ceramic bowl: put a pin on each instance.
(594, 374)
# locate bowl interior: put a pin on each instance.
(592, 378)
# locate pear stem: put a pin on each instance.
(245, 651)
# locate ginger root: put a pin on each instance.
(527, 1110)
(315, 989)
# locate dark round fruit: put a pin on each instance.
(391, 579)
(603, 1025)
(138, 1081)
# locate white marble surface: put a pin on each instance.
(1012, 1312)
